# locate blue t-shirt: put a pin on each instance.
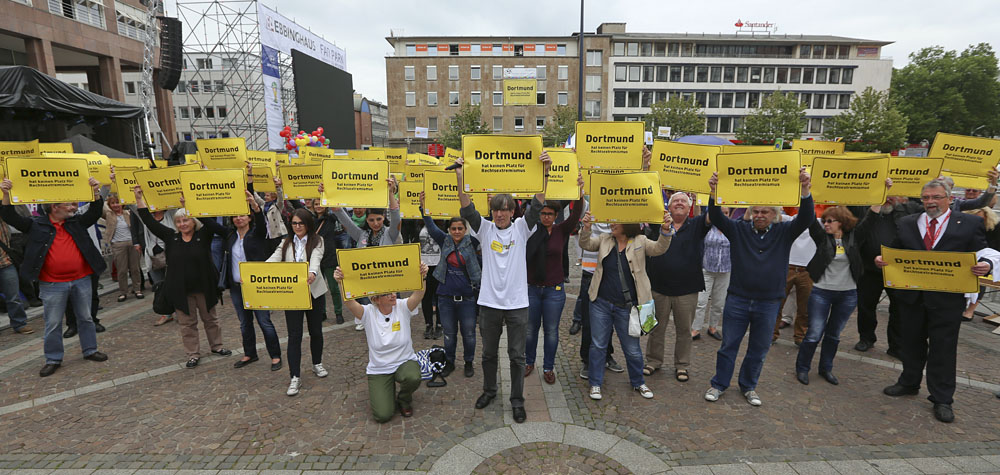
(456, 281)
(611, 284)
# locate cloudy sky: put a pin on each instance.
(360, 27)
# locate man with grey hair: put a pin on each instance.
(930, 335)
(503, 294)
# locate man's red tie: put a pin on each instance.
(929, 235)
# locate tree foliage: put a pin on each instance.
(562, 125)
(873, 123)
(683, 117)
(944, 91)
(468, 120)
(780, 115)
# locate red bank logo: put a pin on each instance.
(739, 23)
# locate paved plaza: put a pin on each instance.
(143, 412)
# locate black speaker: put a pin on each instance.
(171, 53)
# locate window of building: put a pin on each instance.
(432, 124)
(619, 49)
(592, 109)
(818, 51)
(831, 51)
(453, 98)
(834, 75)
(210, 112)
(539, 123)
(646, 98)
(634, 73)
(540, 98)
(753, 100)
(702, 74)
(740, 99)
(848, 76)
(844, 53)
(129, 87)
(453, 72)
(206, 86)
(518, 123)
(755, 74)
(497, 71)
(725, 125)
(659, 49)
(818, 101)
(562, 98)
(497, 123)
(90, 12)
(497, 98)
(594, 57)
(222, 111)
(727, 100)
(475, 98)
(633, 98)
(804, 51)
(228, 63)
(411, 50)
(193, 86)
(453, 50)
(729, 74)
(409, 73)
(807, 75)
(593, 83)
(432, 73)
(131, 20)
(673, 49)
(619, 98)
(204, 63)
(806, 98)
(768, 75)
(196, 112)
(646, 49)
(181, 87)
(184, 113)
(675, 74)
(794, 75)
(831, 101)
(701, 98)
(220, 86)
(432, 98)
(662, 73)
(475, 73)
(562, 73)
(518, 50)
(714, 100)
(687, 49)
(815, 126)
(540, 72)
(820, 75)
(715, 74)
(712, 126)
(621, 73)
(648, 73)
(741, 74)
(411, 99)
(845, 101)
(633, 49)
(411, 124)
(782, 76)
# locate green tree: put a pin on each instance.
(562, 125)
(781, 115)
(468, 120)
(873, 123)
(683, 117)
(944, 91)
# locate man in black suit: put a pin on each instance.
(934, 316)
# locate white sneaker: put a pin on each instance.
(293, 387)
(320, 370)
(359, 327)
(644, 391)
(712, 395)
(595, 393)
(753, 398)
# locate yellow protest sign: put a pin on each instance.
(421, 159)
(630, 197)
(124, 185)
(300, 161)
(409, 198)
(223, 153)
(563, 176)
(929, 270)
(161, 187)
(315, 154)
(263, 169)
(275, 285)
(851, 181)
(818, 147)
(746, 148)
(395, 156)
(282, 158)
(263, 180)
(215, 192)
(758, 178)
(909, 174)
(366, 155)
(356, 183)
(965, 155)
(191, 158)
(98, 165)
(380, 270)
(301, 181)
(19, 149)
(684, 166)
(138, 163)
(451, 155)
(610, 144)
(589, 172)
(441, 194)
(48, 180)
(968, 182)
(57, 147)
(502, 163)
(262, 159)
(520, 92)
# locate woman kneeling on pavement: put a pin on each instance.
(391, 358)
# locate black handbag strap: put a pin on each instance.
(621, 275)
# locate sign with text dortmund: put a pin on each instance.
(684, 166)
(380, 270)
(521, 92)
(48, 180)
(502, 163)
(610, 144)
(758, 178)
(275, 285)
(966, 155)
(630, 197)
(215, 192)
(161, 187)
(849, 181)
(356, 183)
(939, 271)
(223, 153)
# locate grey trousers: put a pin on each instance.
(491, 323)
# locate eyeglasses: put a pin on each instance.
(298, 223)
(547, 214)
(829, 220)
(932, 198)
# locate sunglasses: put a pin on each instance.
(828, 220)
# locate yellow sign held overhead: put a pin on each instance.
(48, 180)
(380, 270)
(264, 167)
(366, 155)
(758, 178)
(55, 147)
(966, 155)
(563, 176)
(929, 270)
(818, 147)
(356, 183)
(27, 149)
(161, 187)
(301, 181)
(747, 148)
(502, 163)
(191, 158)
(315, 154)
(630, 197)
(124, 185)
(215, 192)
(521, 92)
(409, 199)
(684, 166)
(275, 285)
(263, 180)
(451, 155)
(849, 181)
(616, 145)
(910, 174)
(396, 158)
(99, 165)
(421, 159)
(969, 182)
(137, 163)
(223, 153)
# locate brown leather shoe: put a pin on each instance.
(405, 411)
(25, 330)
(549, 376)
(528, 368)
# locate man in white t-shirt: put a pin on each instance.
(391, 358)
(503, 294)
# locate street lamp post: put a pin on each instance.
(579, 85)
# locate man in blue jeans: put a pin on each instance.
(10, 285)
(61, 256)
(759, 251)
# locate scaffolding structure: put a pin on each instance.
(227, 32)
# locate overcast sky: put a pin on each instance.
(360, 27)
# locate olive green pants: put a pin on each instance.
(382, 390)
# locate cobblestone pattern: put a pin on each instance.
(549, 457)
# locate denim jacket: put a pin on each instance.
(466, 249)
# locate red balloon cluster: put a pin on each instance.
(293, 142)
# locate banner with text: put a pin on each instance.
(930, 270)
(964, 154)
(275, 285)
(684, 166)
(849, 181)
(969, 182)
(563, 175)
(264, 167)
(55, 147)
(610, 144)
(124, 185)
(27, 149)
(502, 163)
(161, 187)
(630, 197)
(522, 92)
(316, 155)
(396, 158)
(48, 180)
(98, 165)
(215, 192)
(810, 149)
(223, 153)
(380, 270)
(758, 178)
(910, 174)
(301, 181)
(409, 198)
(284, 35)
(356, 183)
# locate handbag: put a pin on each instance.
(641, 317)
(161, 305)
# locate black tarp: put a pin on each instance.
(22, 87)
